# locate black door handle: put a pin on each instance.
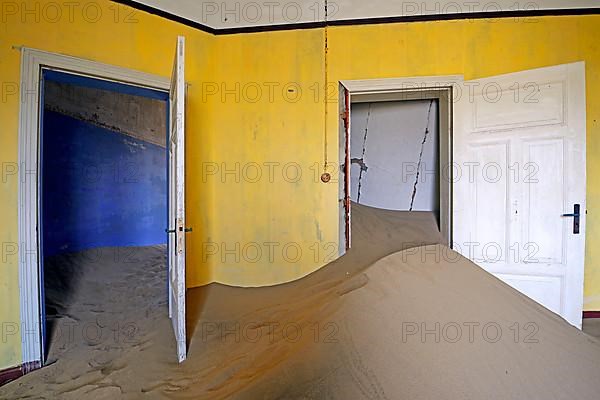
(576, 216)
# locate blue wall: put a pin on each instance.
(100, 188)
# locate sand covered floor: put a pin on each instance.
(379, 323)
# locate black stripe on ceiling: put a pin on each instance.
(358, 21)
(270, 28)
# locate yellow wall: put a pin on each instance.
(279, 135)
(282, 211)
(281, 131)
(477, 49)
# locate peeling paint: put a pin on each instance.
(134, 146)
(414, 193)
(92, 119)
(135, 116)
(361, 163)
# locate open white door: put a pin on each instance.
(520, 145)
(177, 201)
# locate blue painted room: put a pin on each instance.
(103, 190)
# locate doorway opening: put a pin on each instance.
(396, 148)
(34, 63)
(103, 207)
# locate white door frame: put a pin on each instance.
(448, 89)
(463, 96)
(32, 63)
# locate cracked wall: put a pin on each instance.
(394, 153)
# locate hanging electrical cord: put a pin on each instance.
(326, 176)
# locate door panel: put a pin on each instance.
(538, 105)
(545, 290)
(543, 195)
(177, 201)
(490, 194)
(521, 138)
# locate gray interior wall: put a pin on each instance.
(394, 153)
(140, 117)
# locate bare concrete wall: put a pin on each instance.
(394, 152)
(136, 116)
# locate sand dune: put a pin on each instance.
(400, 316)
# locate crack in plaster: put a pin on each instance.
(414, 193)
(361, 162)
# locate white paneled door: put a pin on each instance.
(520, 179)
(177, 200)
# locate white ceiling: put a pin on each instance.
(241, 13)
